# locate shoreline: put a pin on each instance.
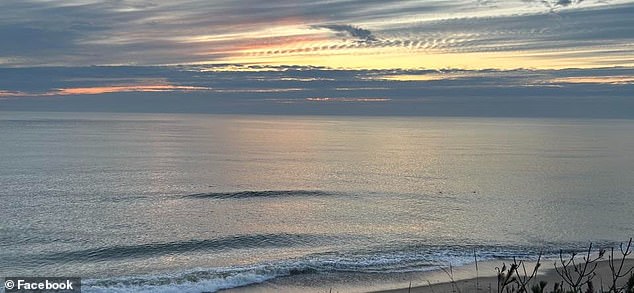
(433, 281)
(487, 283)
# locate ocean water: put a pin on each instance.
(200, 203)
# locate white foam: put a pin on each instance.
(214, 279)
(213, 285)
(211, 280)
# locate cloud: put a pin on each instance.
(346, 30)
(554, 4)
(140, 32)
(603, 92)
(567, 2)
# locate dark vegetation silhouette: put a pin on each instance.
(577, 273)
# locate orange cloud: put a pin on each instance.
(124, 88)
(616, 79)
(4, 93)
(104, 90)
(361, 100)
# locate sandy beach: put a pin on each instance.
(487, 282)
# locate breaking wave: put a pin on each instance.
(414, 258)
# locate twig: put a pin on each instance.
(475, 257)
(524, 280)
(451, 278)
(505, 277)
(618, 273)
(577, 275)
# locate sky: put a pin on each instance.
(368, 34)
(316, 52)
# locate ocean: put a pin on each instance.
(201, 203)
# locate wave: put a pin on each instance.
(262, 193)
(397, 259)
(215, 279)
(179, 247)
(209, 280)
